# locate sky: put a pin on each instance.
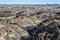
(29, 1)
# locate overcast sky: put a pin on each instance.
(29, 1)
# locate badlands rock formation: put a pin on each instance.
(17, 21)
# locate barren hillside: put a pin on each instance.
(16, 20)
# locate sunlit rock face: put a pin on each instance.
(29, 22)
